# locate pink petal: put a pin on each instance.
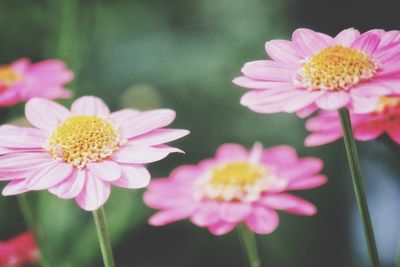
(389, 37)
(374, 88)
(208, 213)
(308, 183)
(394, 132)
(262, 220)
(18, 165)
(221, 228)
(305, 167)
(106, 170)
(123, 115)
(363, 104)
(168, 216)
(21, 137)
(235, 212)
(268, 70)
(368, 131)
(147, 121)
(279, 155)
(308, 42)
(388, 52)
(94, 194)
(347, 37)
(15, 187)
(302, 100)
(307, 111)
(282, 51)
(48, 176)
(231, 152)
(45, 114)
(70, 187)
(267, 108)
(259, 84)
(367, 42)
(265, 97)
(317, 139)
(333, 101)
(158, 137)
(142, 154)
(90, 105)
(290, 203)
(133, 176)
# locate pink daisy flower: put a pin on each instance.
(315, 71)
(22, 80)
(384, 118)
(81, 153)
(236, 186)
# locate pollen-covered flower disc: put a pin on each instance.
(236, 186)
(81, 153)
(315, 71)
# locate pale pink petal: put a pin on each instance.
(235, 212)
(158, 137)
(221, 228)
(259, 84)
(304, 167)
(142, 154)
(123, 115)
(90, 105)
(262, 220)
(375, 88)
(94, 194)
(367, 42)
(133, 176)
(206, 214)
(22, 137)
(20, 66)
(268, 70)
(279, 155)
(267, 108)
(19, 165)
(302, 100)
(308, 183)
(307, 111)
(256, 153)
(333, 101)
(168, 216)
(231, 152)
(106, 170)
(325, 121)
(48, 176)
(363, 104)
(15, 187)
(347, 37)
(387, 53)
(308, 42)
(70, 187)
(147, 121)
(289, 203)
(322, 138)
(45, 114)
(267, 97)
(282, 51)
(389, 37)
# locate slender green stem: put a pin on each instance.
(358, 184)
(102, 233)
(27, 213)
(248, 241)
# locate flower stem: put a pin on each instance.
(104, 240)
(248, 242)
(358, 184)
(27, 213)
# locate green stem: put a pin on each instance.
(248, 241)
(102, 233)
(27, 213)
(358, 184)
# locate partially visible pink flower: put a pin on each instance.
(22, 80)
(236, 186)
(315, 71)
(385, 118)
(19, 251)
(80, 153)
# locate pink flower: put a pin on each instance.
(315, 71)
(19, 251)
(385, 118)
(81, 153)
(236, 186)
(22, 80)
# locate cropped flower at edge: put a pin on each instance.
(236, 186)
(385, 118)
(315, 71)
(22, 80)
(19, 251)
(81, 153)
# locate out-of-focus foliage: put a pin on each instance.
(183, 55)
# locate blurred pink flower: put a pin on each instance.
(385, 118)
(81, 153)
(236, 186)
(19, 251)
(315, 71)
(22, 80)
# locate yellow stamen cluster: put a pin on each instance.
(336, 68)
(8, 77)
(236, 181)
(386, 102)
(82, 139)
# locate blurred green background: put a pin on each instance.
(183, 55)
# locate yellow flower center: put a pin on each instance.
(8, 77)
(386, 103)
(336, 68)
(236, 181)
(82, 139)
